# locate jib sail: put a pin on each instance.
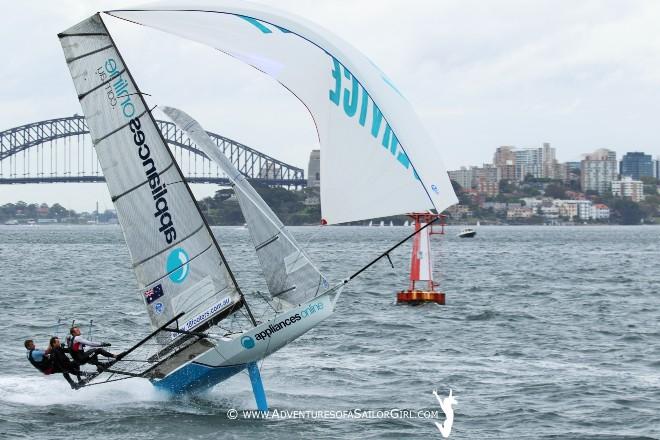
(289, 273)
(178, 264)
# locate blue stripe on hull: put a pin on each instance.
(196, 377)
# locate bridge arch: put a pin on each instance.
(60, 150)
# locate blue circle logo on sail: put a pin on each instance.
(178, 265)
(247, 342)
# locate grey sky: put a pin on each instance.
(580, 75)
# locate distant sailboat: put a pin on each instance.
(371, 223)
(391, 223)
(204, 330)
(382, 223)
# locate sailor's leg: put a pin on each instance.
(102, 352)
(68, 379)
(87, 357)
(257, 387)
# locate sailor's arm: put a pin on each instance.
(85, 342)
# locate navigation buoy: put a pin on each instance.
(422, 287)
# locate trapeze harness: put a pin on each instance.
(45, 366)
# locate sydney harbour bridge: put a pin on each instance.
(60, 150)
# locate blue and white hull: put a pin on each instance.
(225, 357)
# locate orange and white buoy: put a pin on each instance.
(422, 287)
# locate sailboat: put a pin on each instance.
(204, 329)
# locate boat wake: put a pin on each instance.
(53, 390)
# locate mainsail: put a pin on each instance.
(289, 273)
(374, 147)
(178, 264)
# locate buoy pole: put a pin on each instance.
(422, 287)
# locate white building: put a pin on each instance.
(627, 187)
(463, 177)
(512, 213)
(459, 211)
(539, 162)
(600, 212)
(572, 209)
(599, 169)
(550, 212)
(584, 209)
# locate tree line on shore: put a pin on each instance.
(303, 207)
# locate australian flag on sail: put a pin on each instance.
(154, 293)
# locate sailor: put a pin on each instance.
(61, 363)
(38, 358)
(77, 344)
(42, 362)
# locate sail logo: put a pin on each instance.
(204, 316)
(117, 93)
(260, 25)
(247, 342)
(354, 100)
(158, 189)
(178, 265)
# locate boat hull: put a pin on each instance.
(228, 357)
(469, 234)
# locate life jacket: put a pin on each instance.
(76, 348)
(45, 366)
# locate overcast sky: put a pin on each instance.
(580, 75)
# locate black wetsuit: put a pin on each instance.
(62, 364)
(56, 362)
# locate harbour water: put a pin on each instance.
(547, 333)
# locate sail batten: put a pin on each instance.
(177, 262)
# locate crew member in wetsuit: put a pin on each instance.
(60, 362)
(42, 362)
(77, 344)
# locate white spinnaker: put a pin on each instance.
(289, 273)
(374, 146)
(178, 265)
